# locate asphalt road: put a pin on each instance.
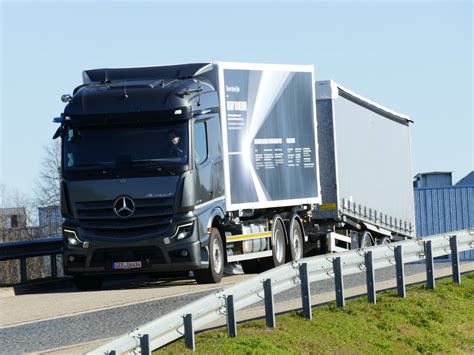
(67, 330)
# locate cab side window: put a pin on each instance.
(213, 130)
(200, 142)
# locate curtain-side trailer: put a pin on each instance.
(365, 169)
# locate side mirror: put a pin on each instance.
(59, 132)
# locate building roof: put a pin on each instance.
(467, 180)
(434, 173)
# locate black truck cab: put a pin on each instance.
(142, 173)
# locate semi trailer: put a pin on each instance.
(365, 165)
(191, 167)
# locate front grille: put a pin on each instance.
(151, 216)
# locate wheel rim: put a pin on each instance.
(366, 241)
(278, 245)
(296, 243)
(216, 252)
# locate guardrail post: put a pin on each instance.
(145, 344)
(400, 271)
(430, 279)
(54, 266)
(370, 276)
(305, 291)
(269, 304)
(23, 270)
(189, 332)
(230, 313)
(453, 242)
(339, 282)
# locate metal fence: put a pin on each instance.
(444, 209)
(225, 302)
(32, 248)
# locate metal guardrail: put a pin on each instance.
(30, 248)
(224, 302)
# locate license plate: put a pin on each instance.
(120, 265)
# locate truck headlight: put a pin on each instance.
(184, 231)
(71, 237)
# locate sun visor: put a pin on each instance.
(179, 71)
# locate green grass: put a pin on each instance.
(439, 321)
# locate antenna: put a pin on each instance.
(125, 96)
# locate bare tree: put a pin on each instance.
(18, 207)
(17, 220)
(47, 186)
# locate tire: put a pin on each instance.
(366, 240)
(295, 244)
(215, 271)
(384, 241)
(88, 282)
(251, 266)
(278, 247)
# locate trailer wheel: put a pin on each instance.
(366, 240)
(295, 245)
(213, 274)
(88, 282)
(384, 241)
(278, 247)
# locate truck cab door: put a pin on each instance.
(203, 163)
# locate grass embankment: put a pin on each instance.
(439, 321)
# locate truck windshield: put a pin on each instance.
(119, 147)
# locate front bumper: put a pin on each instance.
(155, 254)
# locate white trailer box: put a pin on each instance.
(268, 118)
(365, 163)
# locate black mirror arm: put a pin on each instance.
(63, 128)
(59, 132)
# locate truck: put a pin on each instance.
(191, 167)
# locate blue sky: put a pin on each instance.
(413, 57)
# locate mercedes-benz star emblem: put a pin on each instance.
(124, 207)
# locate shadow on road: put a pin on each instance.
(66, 284)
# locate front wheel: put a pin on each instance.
(213, 274)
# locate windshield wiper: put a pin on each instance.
(106, 168)
(94, 169)
(152, 164)
(90, 166)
